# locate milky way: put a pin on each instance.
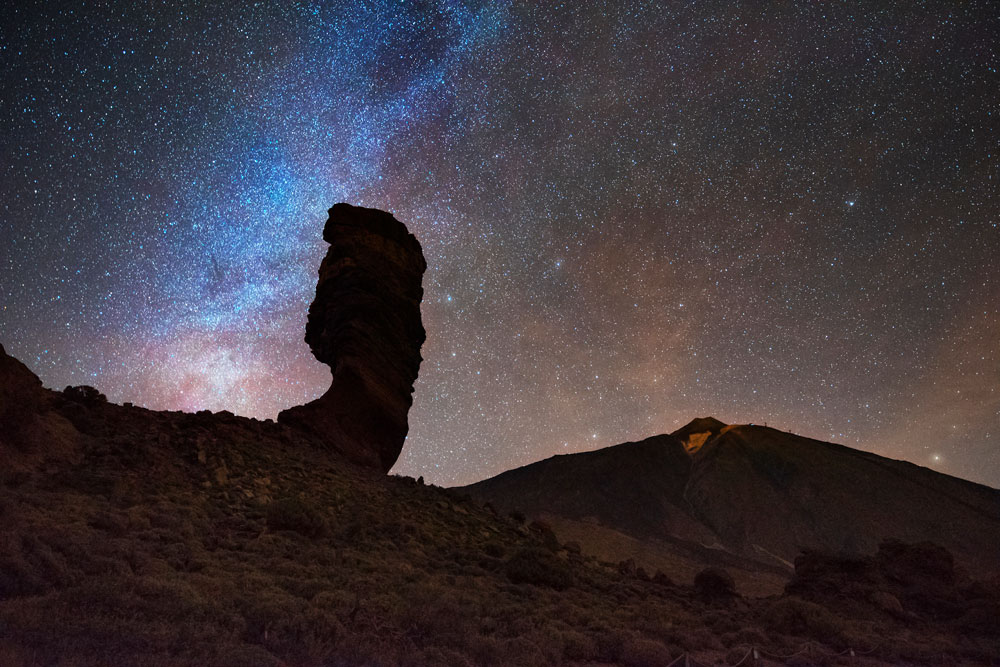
(633, 214)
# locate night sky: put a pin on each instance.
(633, 213)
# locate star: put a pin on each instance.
(166, 176)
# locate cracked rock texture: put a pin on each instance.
(365, 325)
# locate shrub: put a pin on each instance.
(793, 616)
(84, 394)
(295, 514)
(578, 647)
(720, 622)
(494, 549)
(715, 584)
(981, 618)
(700, 639)
(521, 651)
(437, 655)
(485, 650)
(544, 531)
(752, 636)
(640, 652)
(611, 644)
(661, 579)
(539, 568)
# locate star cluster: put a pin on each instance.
(633, 213)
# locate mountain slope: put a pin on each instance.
(163, 538)
(756, 494)
(762, 489)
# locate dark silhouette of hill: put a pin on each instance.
(751, 496)
(136, 537)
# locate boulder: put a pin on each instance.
(713, 584)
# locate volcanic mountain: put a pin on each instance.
(137, 537)
(749, 497)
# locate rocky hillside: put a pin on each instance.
(145, 538)
(134, 537)
(751, 497)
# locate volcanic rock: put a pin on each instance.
(715, 584)
(903, 580)
(365, 324)
(17, 384)
(21, 395)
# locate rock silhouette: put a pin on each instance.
(21, 395)
(365, 324)
(134, 536)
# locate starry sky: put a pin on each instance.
(633, 213)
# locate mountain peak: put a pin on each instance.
(747, 497)
(697, 432)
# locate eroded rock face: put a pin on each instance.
(21, 396)
(365, 324)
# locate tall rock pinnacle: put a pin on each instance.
(365, 325)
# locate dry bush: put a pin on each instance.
(611, 644)
(494, 549)
(793, 616)
(721, 622)
(577, 646)
(699, 639)
(980, 618)
(297, 515)
(751, 636)
(443, 657)
(539, 568)
(521, 651)
(544, 531)
(715, 584)
(485, 651)
(640, 652)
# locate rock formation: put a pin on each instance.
(21, 394)
(365, 324)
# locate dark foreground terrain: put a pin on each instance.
(132, 537)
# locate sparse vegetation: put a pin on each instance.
(300, 559)
(538, 567)
(801, 618)
(295, 514)
(715, 585)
